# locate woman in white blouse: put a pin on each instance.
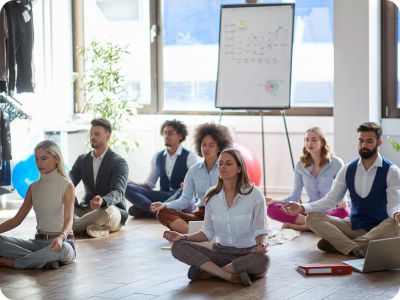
(236, 215)
(52, 198)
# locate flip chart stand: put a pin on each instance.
(263, 148)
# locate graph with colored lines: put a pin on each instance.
(255, 56)
(244, 43)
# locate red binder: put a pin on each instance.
(323, 269)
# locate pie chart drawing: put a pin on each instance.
(271, 86)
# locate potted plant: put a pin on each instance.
(103, 87)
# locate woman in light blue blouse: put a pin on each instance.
(316, 172)
(210, 140)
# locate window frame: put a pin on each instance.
(157, 80)
(389, 80)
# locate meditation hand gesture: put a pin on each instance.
(173, 236)
(56, 244)
(157, 206)
(342, 204)
(262, 248)
(293, 208)
(397, 217)
(96, 202)
(269, 201)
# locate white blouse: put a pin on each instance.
(239, 225)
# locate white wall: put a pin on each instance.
(357, 78)
(278, 164)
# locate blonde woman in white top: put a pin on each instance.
(52, 198)
(236, 215)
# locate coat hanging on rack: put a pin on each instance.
(20, 47)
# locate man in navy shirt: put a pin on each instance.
(170, 165)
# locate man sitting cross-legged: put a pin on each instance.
(104, 174)
(171, 166)
(374, 185)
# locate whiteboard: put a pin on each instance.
(255, 56)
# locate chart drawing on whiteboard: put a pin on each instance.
(255, 56)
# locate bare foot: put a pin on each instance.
(5, 262)
(298, 227)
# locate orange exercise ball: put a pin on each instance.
(252, 164)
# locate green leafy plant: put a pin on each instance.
(104, 91)
(395, 145)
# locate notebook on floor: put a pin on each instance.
(381, 255)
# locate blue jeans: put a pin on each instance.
(143, 198)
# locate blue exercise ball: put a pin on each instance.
(24, 173)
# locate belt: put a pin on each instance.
(51, 237)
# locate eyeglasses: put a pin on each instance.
(169, 133)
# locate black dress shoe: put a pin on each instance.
(53, 264)
(324, 245)
(135, 212)
(361, 251)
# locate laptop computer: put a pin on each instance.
(381, 255)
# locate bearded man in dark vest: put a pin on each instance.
(374, 186)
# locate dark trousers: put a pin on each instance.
(242, 259)
(142, 198)
(19, 48)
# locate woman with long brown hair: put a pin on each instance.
(236, 215)
(315, 171)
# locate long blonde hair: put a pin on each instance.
(326, 153)
(54, 150)
(242, 182)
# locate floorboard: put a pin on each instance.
(131, 265)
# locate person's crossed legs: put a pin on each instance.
(142, 198)
(339, 234)
(97, 222)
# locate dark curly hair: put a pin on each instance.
(178, 126)
(219, 133)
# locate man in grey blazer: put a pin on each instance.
(104, 174)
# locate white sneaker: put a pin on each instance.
(95, 230)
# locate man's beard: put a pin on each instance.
(167, 145)
(368, 154)
(94, 146)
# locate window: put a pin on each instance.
(190, 53)
(124, 22)
(312, 69)
(178, 71)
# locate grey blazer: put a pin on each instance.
(110, 184)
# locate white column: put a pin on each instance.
(357, 88)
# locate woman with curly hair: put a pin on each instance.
(210, 140)
(315, 171)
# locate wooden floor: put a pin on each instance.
(131, 265)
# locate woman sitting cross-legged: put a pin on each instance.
(209, 139)
(236, 215)
(315, 171)
(52, 198)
